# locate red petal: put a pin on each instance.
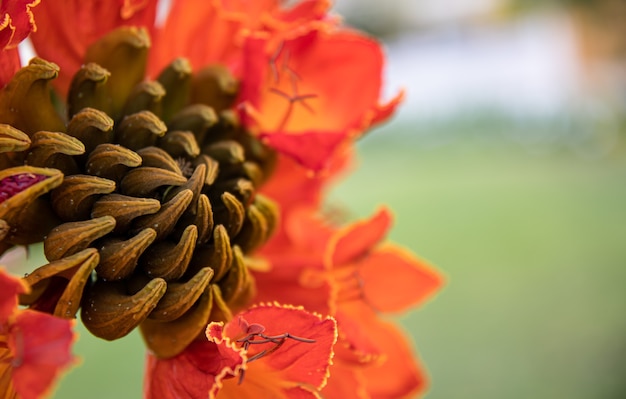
(9, 64)
(359, 238)
(10, 288)
(311, 149)
(65, 28)
(193, 373)
(394, 280)
(40, 344)
(17, 22)
(299, 363)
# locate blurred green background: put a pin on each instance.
(531, 242)
(506, 168)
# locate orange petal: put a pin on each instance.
(322, 82)
(298, 368)
(40, 344)
(391, 371)
(346, 381)
(293, 185)
(290, 284)
(66, 28)
(357, 239)
(194, 372)
(10, 288)
(199, 30)
(394, 280)
(398, 375)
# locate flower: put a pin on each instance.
(154, 191)
(347, 274)
(268, 361)
(34, 347)
(158, 171)
(299, 107)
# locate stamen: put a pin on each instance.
(255, 336)
(185, 166)
(293, 80)
(14, 184)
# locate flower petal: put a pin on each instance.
(66, 28)
(40, 344)
(10, 288)
(17, 22)
(359, 238)
(288, 367)
(9, 64)
(194, 372)
(398, 375)
(308, 84)
(394, 280)
(188, 27)
(311, 149)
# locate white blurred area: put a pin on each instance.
(459, 56)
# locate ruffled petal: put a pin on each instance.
(295, 368)
(41, 347)
(16, 22)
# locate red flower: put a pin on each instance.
(34, 347)
(268, 360)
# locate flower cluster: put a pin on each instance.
(176, 176)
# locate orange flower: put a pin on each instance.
(213, 31)
(291, 78)
(269, 361)
(16, 24)
(348, 274)
(34, 347)
(308, 94)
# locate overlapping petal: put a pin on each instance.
(311, 92)
(361, 277)
(193, 373)
(213, 31)
(292, 369)
(16, 22)
(34, 347)
(67, 28)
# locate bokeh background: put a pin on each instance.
(506, 168)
